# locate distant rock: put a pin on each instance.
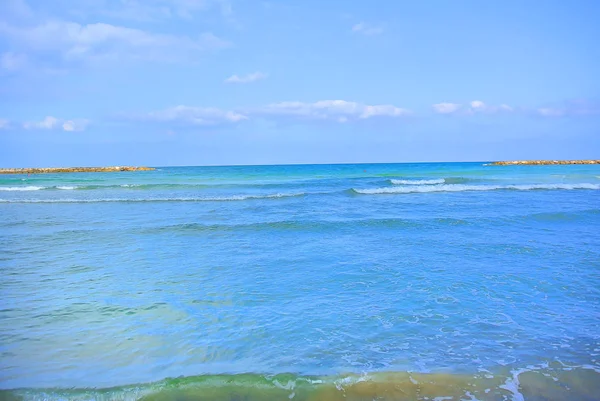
(47, 170)
(543, 162)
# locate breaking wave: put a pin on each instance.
(139, 200)
(37, 188)
(463, 188)
(27, 188)
(418, 182)
(554, 381)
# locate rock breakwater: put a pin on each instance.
(48, 170)
(543, 162)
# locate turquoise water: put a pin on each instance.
(383, 281)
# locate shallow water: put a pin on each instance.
(397, 281)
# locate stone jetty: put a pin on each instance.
(48, 170)
(543, 162)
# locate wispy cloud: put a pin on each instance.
(149, 10)
(75, 125)
(446, 108)
(244, 79)
(475, 106)
(192, 115)
(550, 112)
(581, 107)
(4, 123)
(49, 123)
(10, 61)
(15, 9)
(333, 110)
(478, 105)
(338, 110)
(571, 108)
(101, 41)
(367, 29)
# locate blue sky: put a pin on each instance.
(203, 82)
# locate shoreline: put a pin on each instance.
(50, 170)
(542, 162)
(533, 382)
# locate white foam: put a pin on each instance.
(28, 188)
(343, 382)
(290, 385)
(471, 397)
(418, 182)
(134, 200)
(462, 188)
(66, 187)
(512, 385)
(244, 197)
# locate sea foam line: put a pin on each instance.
(138, 200)
(35, 188)
(462, 188)
(418, 182)
(27, 188)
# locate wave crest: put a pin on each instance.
(140, 200)
(545, 381)
(27, 188)
(463, 188)
(418, 182)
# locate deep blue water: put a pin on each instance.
(336, 272)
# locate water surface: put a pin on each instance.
(397, 281)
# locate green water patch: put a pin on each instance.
(556, 382)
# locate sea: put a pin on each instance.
(426, 281)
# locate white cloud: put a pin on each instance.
(50, 122)
(334, 110)
(75, 125)
(446, 108)
(244, 79)
(4, 123)
(47, 123)
(74, 41)
(367, 29)
(478, 105)
(10, 61)
(475, 106)
(550, 112)
(150, 10)
(339, 110)
(578, 107)
(13, 9)
(195, 115)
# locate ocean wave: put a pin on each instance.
(27, 188)
(418, 182)
(531, 382)
(139, 200)
(153, 186)
(37, 188)
(463, 188)
(434, 181)
(296, 225)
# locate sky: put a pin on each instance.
(221, 82)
